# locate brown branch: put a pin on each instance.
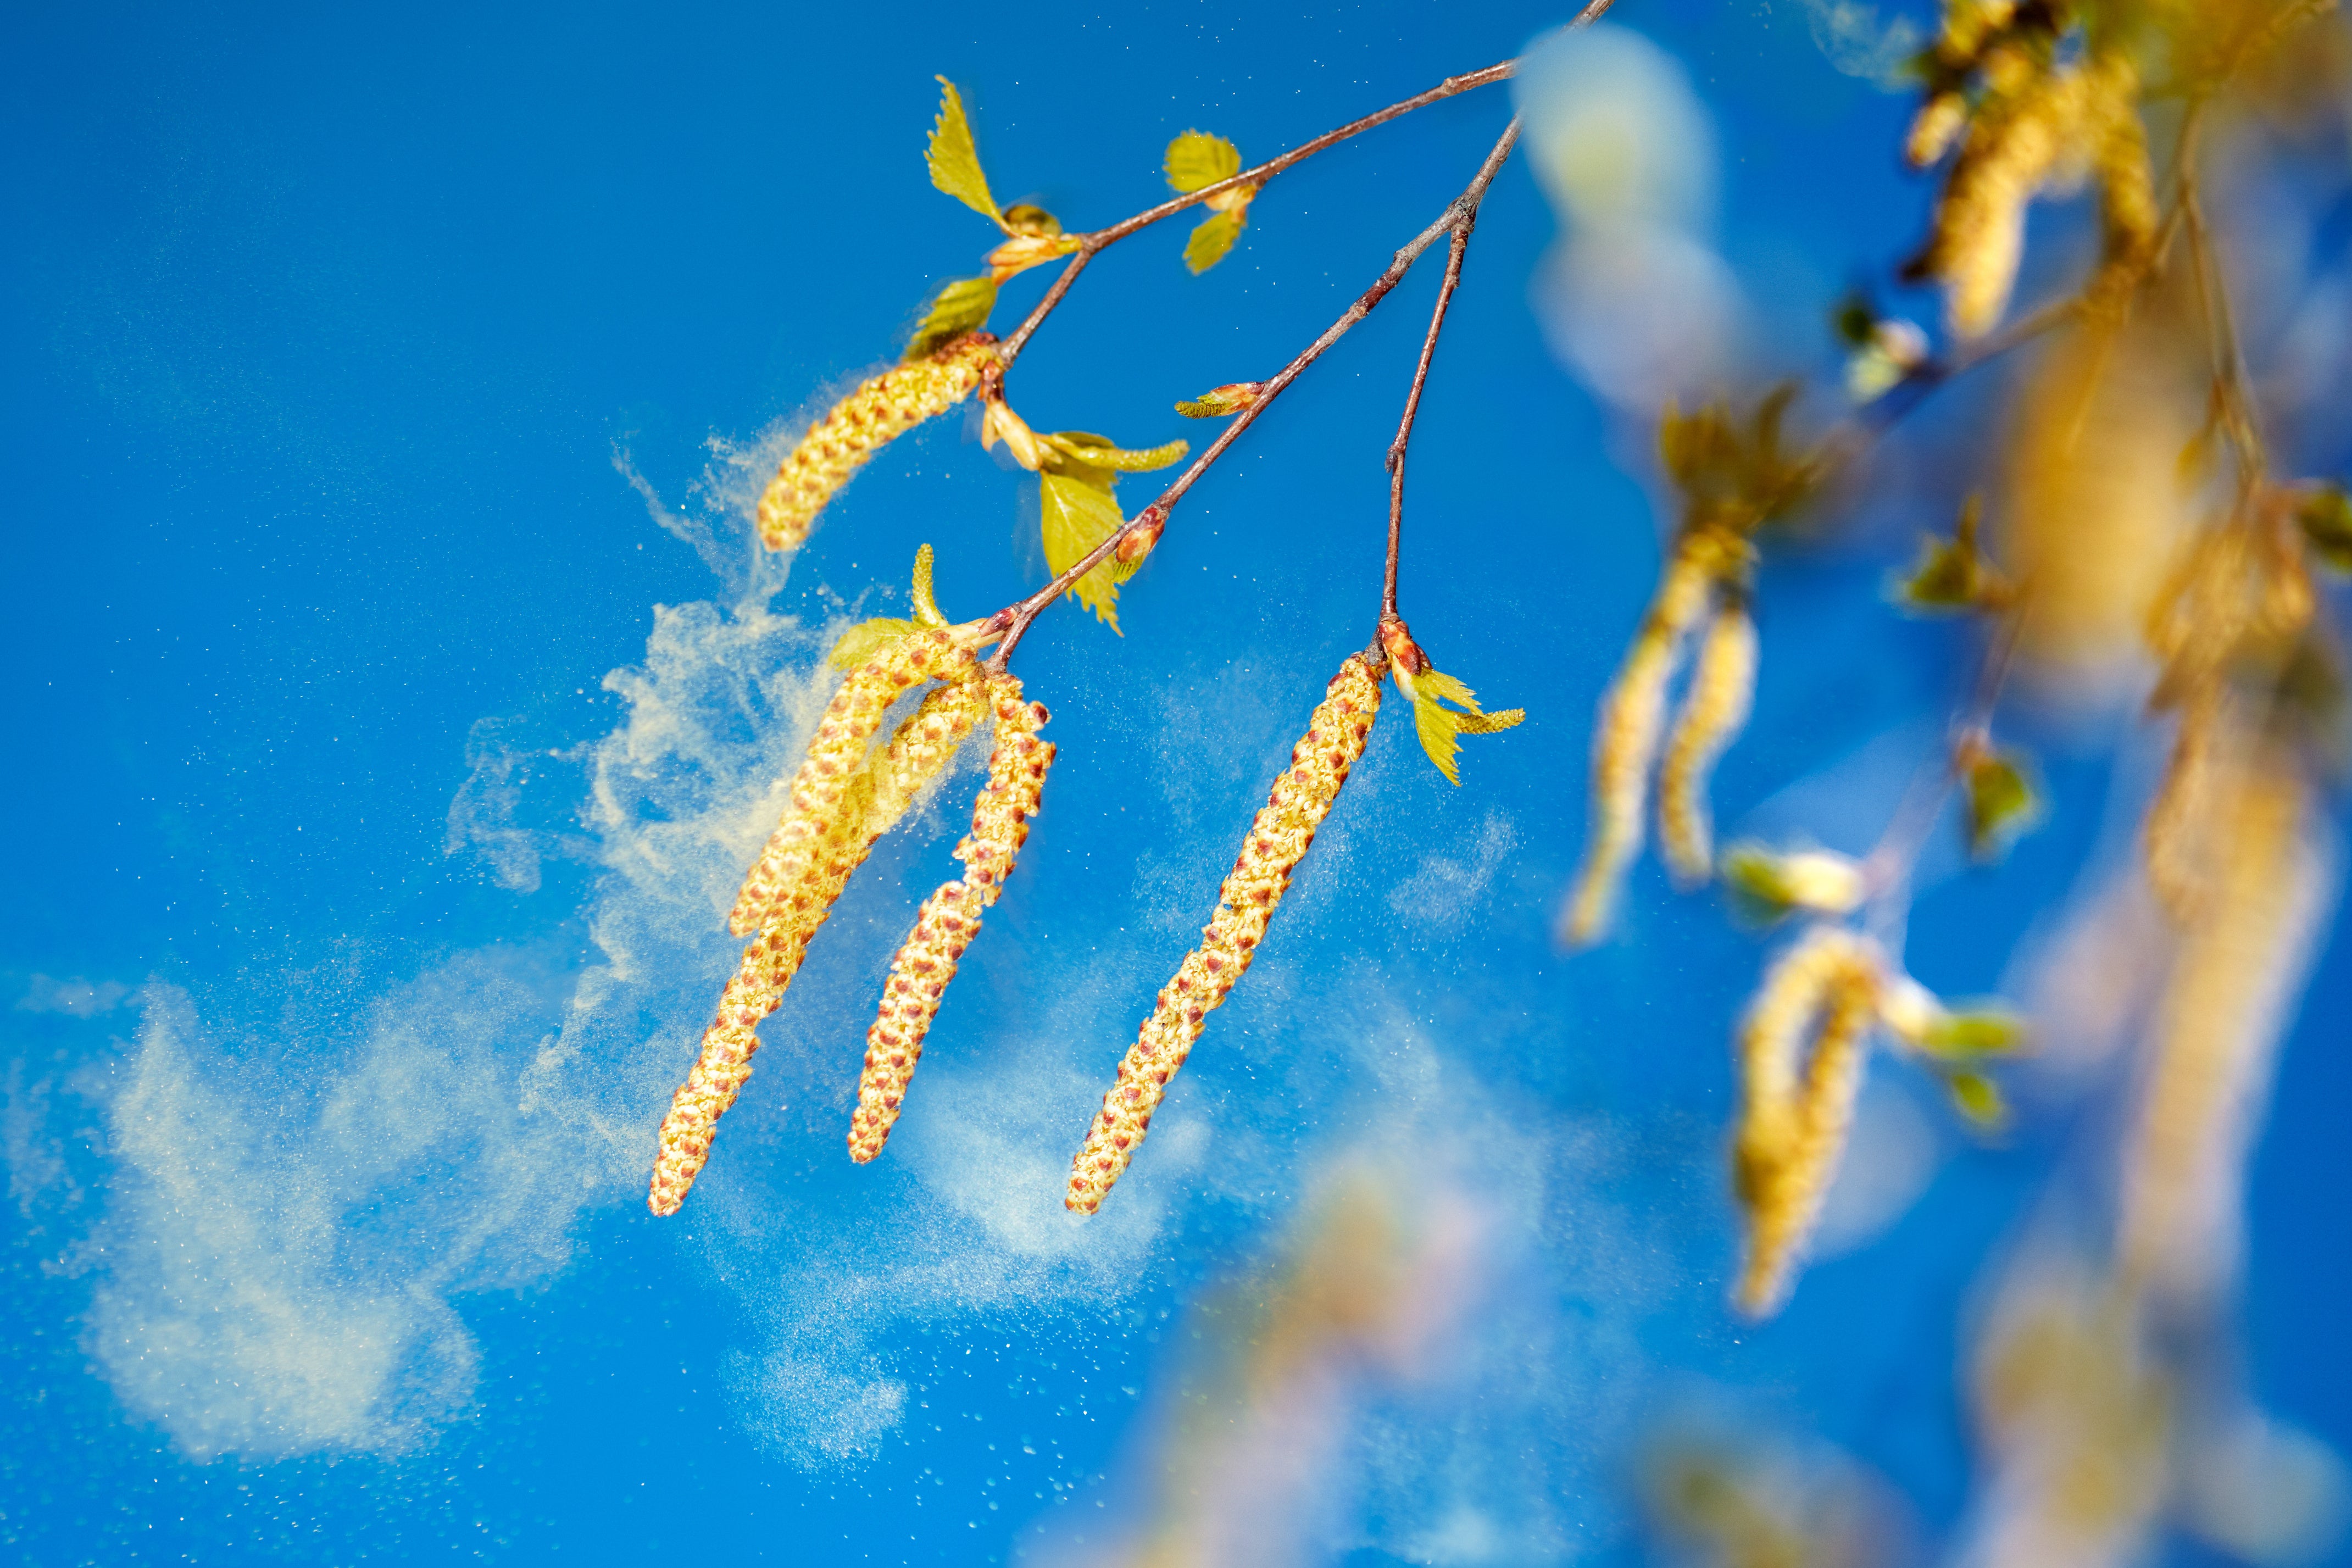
(1016, 620)
(1412, 405)
(1251, 179)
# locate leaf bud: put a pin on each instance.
(1220, 401)
(1141, 535)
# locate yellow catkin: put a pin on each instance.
(1278, 838)
(1625, 741)
(836, 757)
(1722, 685)
(2184, 1164)
(858, 800)
(2013, 150)
(883, 406)
(1796, 1105)
(949, 918)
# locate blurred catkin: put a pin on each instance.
(848, 803)
(2093, 508)
(2184, 1166)
(1797, 1104)
(882, 407)
(949, 918)
(1626, 734)
(1278, 838)
(1722, 685)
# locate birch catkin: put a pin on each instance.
(836, 756)
(1797, 1108)
(1625, 741)
(882, 407)
(845, 806)
(949, 918)
(1723, 684)
(1278, 838)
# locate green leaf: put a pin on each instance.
(1440, 727)
(1212, 240)
(927, 608)
(1979, 1098)
(1953, 574)
(2325, 516)
(955, 161)
(1079, 512)
(1093, 452)
(1197, 158)
(1437, 726)
(1974, 1032)
(2001, 803)
(861, 643)
(957, 308)
(1765, 884)
(1029, 218)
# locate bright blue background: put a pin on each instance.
(321, 333)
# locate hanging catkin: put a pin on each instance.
(1796, 1105)
(1625, 739)
(1301, 799)
(882, 407)
(1723, 684)
(949, 918)
(847, 807)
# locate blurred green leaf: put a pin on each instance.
(1197, 158)
(1212, 240)
(2325, 516)
(2001, 803)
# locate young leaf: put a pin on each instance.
(1974, 1032)
(2325, 517)
(955, 161)
(1765, 884)
(1978, 1098)
(1439, 727)
(1079, 512)
(2001, 803)
(1953, 574)
(927, 608)
(865, 641)
(1089, 450)
(1220, 401)
(1197, 158)
(1212, 240)
(1029, 218)
(957, 308)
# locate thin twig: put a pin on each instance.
(1251, 179)
(1016, 620)
(1413, 405)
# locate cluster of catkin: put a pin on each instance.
(1801, 1051)
(1700, 594)
(838, 445)
(949, 918)
(844, 796)
(2026, 118)
(1278, 838)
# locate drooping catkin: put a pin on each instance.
(949, 918)
(1278, 838)
(1722, 685)
(882, 407)
(2184, 1164)
(1625, 741)
(1796, 1105)
(836, 756)
(843, 810)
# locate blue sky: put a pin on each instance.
(391, 749)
